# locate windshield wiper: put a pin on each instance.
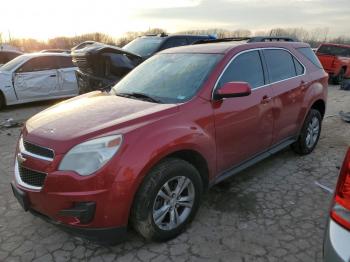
(141, 96)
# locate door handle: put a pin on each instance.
(53, 75)
(266, 99)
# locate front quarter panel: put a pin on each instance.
(143, 148)
(6, 88)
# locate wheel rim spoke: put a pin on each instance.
(160, 214)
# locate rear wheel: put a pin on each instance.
(310, 133)
(339, 78)
(167, 200)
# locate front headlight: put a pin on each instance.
(88, 157)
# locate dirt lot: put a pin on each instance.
(270, 212)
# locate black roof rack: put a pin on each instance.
(226, 39)
(271, 39)
(254, 39)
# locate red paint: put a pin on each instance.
(342, 195)
(333, 64)
(224, 132)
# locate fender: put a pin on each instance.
(316, 91)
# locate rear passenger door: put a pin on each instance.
(67, 79)
(287, 80)
(243, 124)
(37, 78)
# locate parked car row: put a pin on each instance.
(101, 66)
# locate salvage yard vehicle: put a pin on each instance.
(101, 65)
(144, 153)
(337, 237)
(335, 59)
(37, 76)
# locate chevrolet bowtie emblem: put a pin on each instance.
(20, 158)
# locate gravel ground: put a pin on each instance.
(270, 212)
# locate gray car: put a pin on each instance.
(337, 238)
(37, 76)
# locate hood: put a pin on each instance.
(91, 115)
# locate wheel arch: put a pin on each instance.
(320, 106)
(2, 98)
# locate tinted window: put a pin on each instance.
(309, 54)
(298, 67)
(144, 46)
(280, 64)
(246, 67)
(174, 42)
(66, 61)
(14, 63)
(171, 78)
(40, 64)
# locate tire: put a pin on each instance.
(146, 215)
(336, 80)
(310, 133)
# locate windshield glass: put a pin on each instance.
(334, 50)
(144, 46)
(9, 66)
(169, 78)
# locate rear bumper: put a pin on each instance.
(336, 243)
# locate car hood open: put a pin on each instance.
(91, 115)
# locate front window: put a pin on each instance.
(144, 46)
(168, 78)
(14, 63)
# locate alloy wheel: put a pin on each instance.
(173, 203)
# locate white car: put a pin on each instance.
(37, 76)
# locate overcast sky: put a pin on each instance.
(45, 18)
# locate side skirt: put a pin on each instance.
(252, 161)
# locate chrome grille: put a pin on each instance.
(38, 150)
(31, 177)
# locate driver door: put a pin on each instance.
(37, 78)
(243, 125)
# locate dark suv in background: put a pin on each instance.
(101, 65)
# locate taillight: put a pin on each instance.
(340, 211)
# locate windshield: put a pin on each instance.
(144, 46)
(168, 78)
(334, 50)
(9, 66)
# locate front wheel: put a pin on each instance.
(167, 200)
(338, 78)
(310, 133)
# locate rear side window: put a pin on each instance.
(299, 69)
(246, 67)
(280, 64)
(40, 64)
(309, 54)
(66, 61)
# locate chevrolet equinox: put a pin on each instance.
(184, 120)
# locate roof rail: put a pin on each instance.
(272, 39)
(226, 39)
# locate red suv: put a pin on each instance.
(184, 120)
(335, 60)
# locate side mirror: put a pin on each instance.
(233, 89)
